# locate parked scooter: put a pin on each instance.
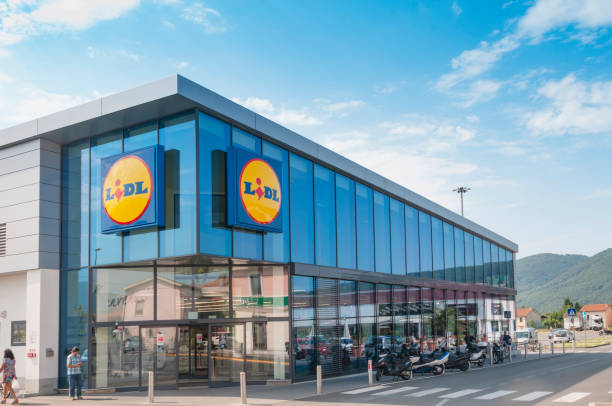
(434, 362)
(498, 353)
(390, 364)
(478, 352)
(458, 359)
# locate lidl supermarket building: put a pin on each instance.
(169, 229)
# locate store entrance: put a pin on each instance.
(211, 354)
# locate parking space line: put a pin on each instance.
(426, 392)
(394, 391)
(572, 397)
(364, 390)
(495, 395)
(532, 396)
(455, 395)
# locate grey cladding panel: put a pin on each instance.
(139, 95)
(20, 162)
(77, 114)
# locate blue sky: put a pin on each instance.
(511, 98)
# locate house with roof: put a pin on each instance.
(526, 315)
(603, 310)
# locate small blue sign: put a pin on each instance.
(132, 190)
(255, 198)
(583, 314)
(507, 314)
(571, 312)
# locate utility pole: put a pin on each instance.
(462, 190)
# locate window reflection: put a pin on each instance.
(398, 238)
(301, 195)
(260, 291)
(123, 294)
(381, 233)
(365, 227)
(345, 220)
(325, 216)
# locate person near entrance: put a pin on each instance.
(73, 365)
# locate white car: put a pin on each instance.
(560, 336)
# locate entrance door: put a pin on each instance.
(226, 353)
(199, 337)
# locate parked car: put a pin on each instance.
(562, 335)
(526, 336)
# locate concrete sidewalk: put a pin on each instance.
(256, 394)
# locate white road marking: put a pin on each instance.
(572, 397)
(364, 390)
(394, 391)
(422, 393)
(455, 395)
(495, 395)
(532, 396)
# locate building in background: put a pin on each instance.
(528, 317)
(269, 257)
(603, 310)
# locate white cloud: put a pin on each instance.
(27, 103)
(541, 18)
(182, 65)
(168, 24)
(342, 109)
(456, 9)
(282, 115)
(209, 18)
(473, 118)
(23, 19)
(574, 107)
(93, 53)
(480, 91)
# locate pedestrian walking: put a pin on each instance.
(8, 376)
(73, 365)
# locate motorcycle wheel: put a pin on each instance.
(378, 374)
(406, 374)
(439, 370)
(465, 366)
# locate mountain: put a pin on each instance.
(544, 280)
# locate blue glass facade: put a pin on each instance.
(329, 220)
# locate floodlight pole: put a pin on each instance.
(462, 190)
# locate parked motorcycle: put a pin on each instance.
(458, 360)
(390, 364)
(498, 353)
(478, 353)
(434, 362)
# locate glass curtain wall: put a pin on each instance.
(398, 238)
(302, 216)
(325, 216)
(349, 340)
(437, 248)
(345, 222)
(382, 234)
(365, 227)
(412, 241)
(367, 324)
(449, 252)
(425, 245)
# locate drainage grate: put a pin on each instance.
(2, 239)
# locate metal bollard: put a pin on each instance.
(370, 378)
(319, 379)
(151, 387)
(525, 350)
(491, 354)
(539, 350)
(511, 354)
(243, 398)
(563, 347)
(574, 344)
(552, 347)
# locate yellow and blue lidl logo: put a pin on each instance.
(254, 191)
(260, 191)
(127, 189)
(131, 193)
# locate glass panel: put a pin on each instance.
(451, 318)
(302, 297)
(325, 216)
(177, 135)
(140, 244)
(105, 248)
(349, 344)
(345, 221)
(425, 245)
(441, 315)
(495, 261)
(260, 291)
(159, 355)
(412, 241)
(301, 195)
(276, 245)
(75, 204)
(511, 276)
(226, 353)
(414, 312)
(115, 357)
(437, 248)
(304, 355)
(266, 351)
(348, 299)
(382, 233)
(449, 252)
(74, 311)
(365, 228)
(367, 299)
(469, 258)
(367, 337)
(478, 260)
(327, 298)
(461, 318)
(328, 346)
(398, 238)
(122, 294)
(400, 316)
(247, 244)
(487, 263)
(459, 255)
(503, 261)
(214, 139)
(427, 306)
(192, 293)
(385, 312)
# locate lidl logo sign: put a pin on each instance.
(132, 190)
(254, 191)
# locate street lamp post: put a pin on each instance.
(462, 190)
